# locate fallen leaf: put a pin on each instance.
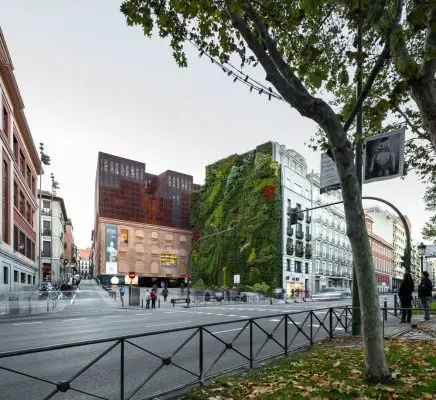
(337, 364)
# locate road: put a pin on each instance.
(94, 316)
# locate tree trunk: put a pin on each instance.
(423, 91)
(375, 361)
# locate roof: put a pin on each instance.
(84, 253)
(6, 71)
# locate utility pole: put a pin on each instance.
(44, 160)
(356, 316)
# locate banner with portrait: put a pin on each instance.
(383, 156)
(329, 177)
(111, 249)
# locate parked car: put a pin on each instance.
(331, 294)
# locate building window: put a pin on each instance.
(117, 171)
(105, 166)
(28, 213)
(46, 228)
(22, 244)
(29, 279)
(297, 266)
(288, 265)
(28, 248)
(46, 249)
(23, 277)
(21, 203)
(15, 194)
(5, 202)
(33, 280)
(169, 180)
(5, 122)
(29, 177)
(33, 186)
(16, 148)
(122, 169)
(306, 268)
(297, 188)
(46, 206)
(5, 275)
(15, 276)
(22, 163)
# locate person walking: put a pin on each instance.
(165, 293)
(424, 294)
(147, 299)
(122, 292)
(405, 292)
(153, 299)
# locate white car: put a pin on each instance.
(331, 294)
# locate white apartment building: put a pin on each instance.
(415, 268)
(84, 261)
(390, 228)
(53, 219)
(332, 259)
(297, 237)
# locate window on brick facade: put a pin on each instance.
(22, 203)
(22, 244)
(28, 248)
(28, 213)
(15, 194)
(16, 238)
(22, 163)
(33, 187)
(5, 202)
(29, 177)
(16, 148)
(5, 121)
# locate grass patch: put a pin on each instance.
(333, 370)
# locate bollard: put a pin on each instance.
(385, 309)
(142, 303)
(395, 305)
(30, 308)
(158, 303)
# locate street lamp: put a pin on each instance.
(421, 252)
(44, 160)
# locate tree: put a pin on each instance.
(429, 230)
(300, 46)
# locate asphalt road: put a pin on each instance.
(94, 316)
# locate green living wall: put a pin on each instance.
(242, 190)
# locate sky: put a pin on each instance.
(90, 83)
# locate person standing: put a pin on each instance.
(424, 294)
(405, 292)
(122, 292)
(153, 299)
(147, 299)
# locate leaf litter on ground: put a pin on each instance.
(332, 370)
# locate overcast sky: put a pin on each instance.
(90, 84)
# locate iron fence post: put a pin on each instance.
(346, 319)
(311, 328)
(286, 334)
(331, 322)
(122, 370)
(251, 343)
(201, 366)
(385, 309)
(395, 305)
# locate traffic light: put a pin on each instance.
(186, 279)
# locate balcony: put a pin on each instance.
(300, 216)
(46, 232)
(291, 210)
(308, 219)
(299, 251)
(299, 234)
(308, 237)
(45, 211)
(290, 231)
(289, 247)
(46, 254)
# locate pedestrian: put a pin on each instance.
(153, 298)
(122, 292)
(406, 289)
(147, 299)
(165, 293)
(424, 294)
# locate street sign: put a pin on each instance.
(236, 279)
(132, 275)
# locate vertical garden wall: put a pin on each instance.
(242, 189)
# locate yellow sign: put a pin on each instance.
(169, 260)
(124, 236)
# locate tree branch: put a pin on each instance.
(384, 55)
(428, 67)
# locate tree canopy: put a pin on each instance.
(429, 230)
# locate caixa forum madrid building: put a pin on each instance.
(142, 223)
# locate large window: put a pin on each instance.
(5, 202)
(297, 266)
(21, 203)
(46, 249)
(5, 275)
(22, 163)
(5, 118)
(22, 244)
(15, 194)
(28, 213)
